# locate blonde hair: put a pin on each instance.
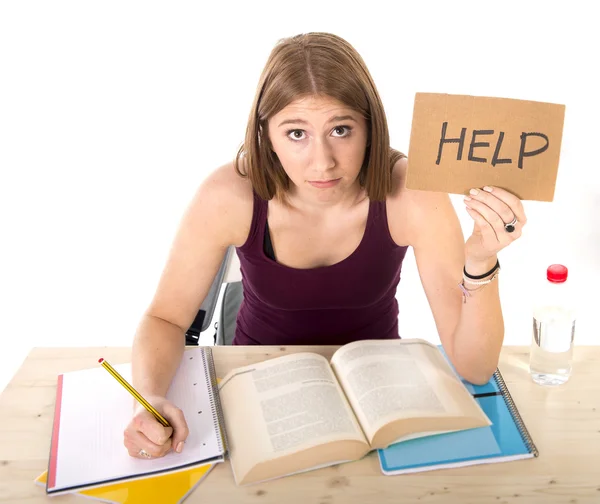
(315, 64)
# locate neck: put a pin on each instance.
(311, 202)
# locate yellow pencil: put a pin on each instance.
(134, 392)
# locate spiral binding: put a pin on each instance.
(512, 408)
(215, 400)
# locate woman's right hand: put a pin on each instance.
(146, 433)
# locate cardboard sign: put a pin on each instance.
(460, 142)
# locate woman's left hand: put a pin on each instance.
(492, 208)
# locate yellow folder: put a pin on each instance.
(171, 488)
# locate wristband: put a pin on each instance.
(479, 277)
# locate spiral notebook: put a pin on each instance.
(505, 440)
(92, 410)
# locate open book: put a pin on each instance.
(299, 412)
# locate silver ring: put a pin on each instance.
(510, 227)
(144, 453)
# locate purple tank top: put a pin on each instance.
(351, 300)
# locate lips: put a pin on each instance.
(322, 184)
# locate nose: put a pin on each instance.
(323, 158)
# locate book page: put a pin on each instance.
(92, 411)
(282, 406)
(389, 380)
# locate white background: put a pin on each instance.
(111, 114)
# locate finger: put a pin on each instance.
(487, 218)
(135, 441)
(485, 228)
(180, 428)
(515, 204)
(157, 433)
(496, 222)
(494, 203)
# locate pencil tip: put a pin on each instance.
(100, 360)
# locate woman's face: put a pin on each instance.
(321, 144)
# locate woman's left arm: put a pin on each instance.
(471, 327)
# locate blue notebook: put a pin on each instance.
(505, 440)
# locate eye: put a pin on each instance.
(294, 138)
(346, 128)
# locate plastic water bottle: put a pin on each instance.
(554, 316)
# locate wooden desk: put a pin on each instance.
(564, 423)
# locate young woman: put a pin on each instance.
(316, 204)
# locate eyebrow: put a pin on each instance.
(332, 119)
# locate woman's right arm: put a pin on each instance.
(218, 216)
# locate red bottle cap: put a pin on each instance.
(557, 273)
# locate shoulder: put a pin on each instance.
(224, 201)
(410, 211)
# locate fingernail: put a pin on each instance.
(179, 447)
(474, 192)
(467, 198)
(487, 188)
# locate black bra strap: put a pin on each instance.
(268, 245)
